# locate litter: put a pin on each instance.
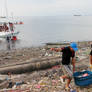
(19, 83)
(38, 86)
(73, 90)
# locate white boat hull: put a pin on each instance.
(5, 34)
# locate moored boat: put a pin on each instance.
(7, 28)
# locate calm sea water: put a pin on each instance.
(39, 30)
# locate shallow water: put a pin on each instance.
(39, 30)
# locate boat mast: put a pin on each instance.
(6, 8)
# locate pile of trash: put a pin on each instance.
(38, 81)
(47, 80)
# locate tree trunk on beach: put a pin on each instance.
(31, 65)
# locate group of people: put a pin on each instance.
(6, 26)
(68, 62)
(11, 41)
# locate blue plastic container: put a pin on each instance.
(83, 81)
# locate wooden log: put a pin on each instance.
(28, 67)
(31, 60)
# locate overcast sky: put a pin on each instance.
(46, 7)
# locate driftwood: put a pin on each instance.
(30, 65)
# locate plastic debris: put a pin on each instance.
(19, 83)
(38, 86)
(73, 90)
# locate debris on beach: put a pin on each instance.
(42, 79)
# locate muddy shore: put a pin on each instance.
(46, 80)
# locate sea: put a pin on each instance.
(39, 30)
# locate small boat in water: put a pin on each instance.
(8, 25)
(77, 15)
(8, 29)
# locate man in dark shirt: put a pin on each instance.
(68, 54)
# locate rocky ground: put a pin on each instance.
(47, 80)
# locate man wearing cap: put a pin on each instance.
(68, 54)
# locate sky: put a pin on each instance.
(45, 7)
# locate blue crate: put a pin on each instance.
(83, 81)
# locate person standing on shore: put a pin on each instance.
(90, 58)
(68, 59)
(8, 40)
